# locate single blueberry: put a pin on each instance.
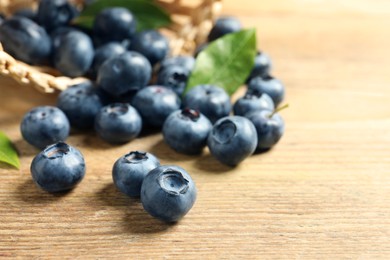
(268, 85)
(118, 123)
(59, 167)
(232, 140)
(187, 62)
(155, 104)
(186, 131)
(152, 44)
(174, 77)
(114, 24)
(105, 52)
(44, 125)
(212, 101)
(168, 193)
(251, 101)
(269, 127)
(224, 25)
(25, 40)
(123, 73)
(130, 170)
(262, 66)
(80, 103)
(55, 13)
(74, 55)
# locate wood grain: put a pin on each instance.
(322, 193)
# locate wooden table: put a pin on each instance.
(322, 193)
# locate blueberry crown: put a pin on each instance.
(191, 114)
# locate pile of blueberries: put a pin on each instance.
(122, 97)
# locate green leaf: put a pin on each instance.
(226, 62)
(8, 153)
(148, 14)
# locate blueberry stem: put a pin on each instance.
(277, 110)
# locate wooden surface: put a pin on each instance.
(322, 193)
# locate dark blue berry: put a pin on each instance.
(187, 62)
(155, 104)
(25, 40)
(104, 53)
(168, 193)
(223, 26)
(174, 77)
(186, 131)
(152, 44)
(130, 170)
(211, 101)
(268, 85)
(55, 13)
(80, 103)
(252, 101)
(232, 140)
(118, 123)
(126, 72)
(44, 125)
(59, 167)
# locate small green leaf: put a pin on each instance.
(8, 153)
(226, 62)
(148, 14)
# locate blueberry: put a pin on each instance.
(251, 101)
(73, 57)
(59, 167)
(212, 101)
(55, 13)
(232, 140)
(174, 77)
(262, 66)
(269, 127)
(57, 34)
(130, 170)
(168, 193)
(105, 52)
(187, 62)
(44, 125)
(186, 131)
(155, 104)
(25, 40)
(114, 24)
(80, 103)
(123, 73)
(118, 123)
(268, 85)
(223, 26)
(152, 44)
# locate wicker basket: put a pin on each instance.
(191, 21)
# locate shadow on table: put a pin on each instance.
(29, 193)
(207, 163)
(135, 219)
(164, 152)
(25, 149)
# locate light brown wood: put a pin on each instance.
(322, 193)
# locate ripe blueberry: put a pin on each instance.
(80, 103)
(25, 40)
(251, 101)
(155, 104)
(105, 52)
(118, 123)
(168, 193)
(268, 85)
(74, 55)
(152, 44)
(232, 140)
(174, 77)
(186, 131)
(44, 125)
(130, 170)
(211, 101)
(126, 72)
(262, 66)
(223, 26)
(59, 167)
(55, 13)
(269, 127)
(188, 62)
